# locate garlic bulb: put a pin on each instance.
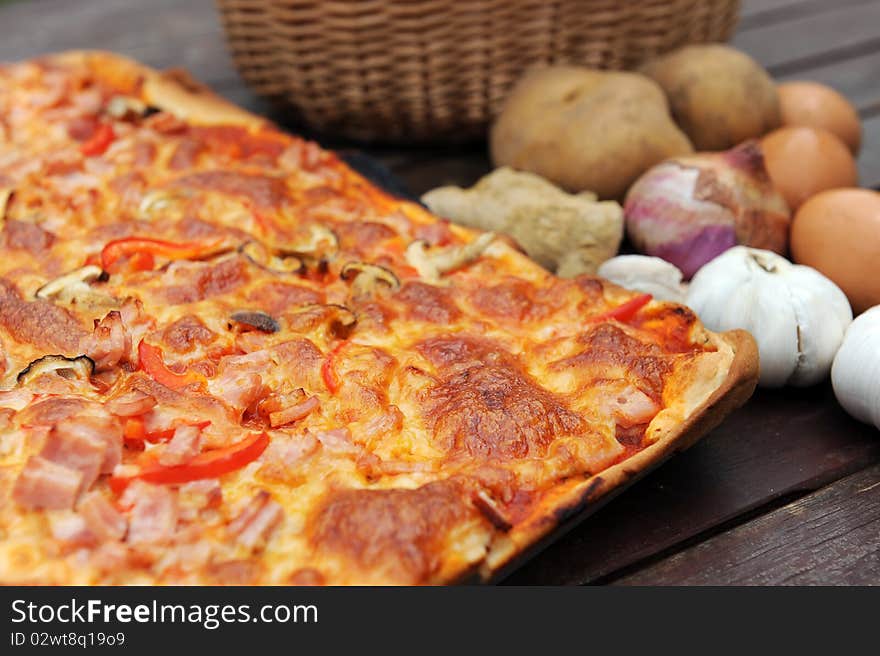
(855, 374)
(796, 314)
(643, 273)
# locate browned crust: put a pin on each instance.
(177, 92)
(579, 500)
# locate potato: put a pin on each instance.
(586, 129)
(719, 96)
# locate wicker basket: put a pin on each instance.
(430, 70)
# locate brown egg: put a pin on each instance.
(815, 105)
(804, 161)
(838, 233)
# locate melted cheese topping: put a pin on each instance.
(445, 411)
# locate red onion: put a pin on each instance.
(688, 210)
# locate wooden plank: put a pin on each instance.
(869, 158)
(831, 537)
(806, 41)
(781, 443)
(857, 78)
(763, 12)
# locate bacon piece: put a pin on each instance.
(338, 440)
(514, 299)
(188, 282)
(166, 123)
(234, 572)
(629, 406)
(183, 447)
(186, 332)
(360, 236)
(302, 155)
(51, 411)
(196, 496)
(129, 188)
(131, 404)
(240, 142)
(136, 321)
(276, 297)
(386, 422)
(237, 384)
(293, 412)
(302, 362)
(263, 191)
(101, 517)
(306, 576)
(27, 236)
(290, 450)
(110, 343)
(46, 484)
(6, 415)
(186, 154)
(71, 528)
(39, 322)
(252, 526)
(153, 515)
(144, 153)
(428, 303)
(436, 233)
(91, 445)
(16, 398)
(82, 128)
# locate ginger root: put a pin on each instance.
(568, 234)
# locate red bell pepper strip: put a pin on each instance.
(99, 142)
(328, 370)
(135, 434)
(209, 464)
(151, 361)
(140, 246)
(624, 312)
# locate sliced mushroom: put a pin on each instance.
(432, 263)
(258, 254)
(367, 277)
(160, 200)
(126, 108)
(75, 287)
(337, 319)
(320, 244)
(256, 319)
(79, 368)
(5, 197)
(492, 510)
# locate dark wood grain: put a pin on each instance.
(857, 78)
(811, 36)
(758, 13)
(831, 537)
(782, 443)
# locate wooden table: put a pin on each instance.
(787, 490)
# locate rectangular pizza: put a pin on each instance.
(225, 357)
